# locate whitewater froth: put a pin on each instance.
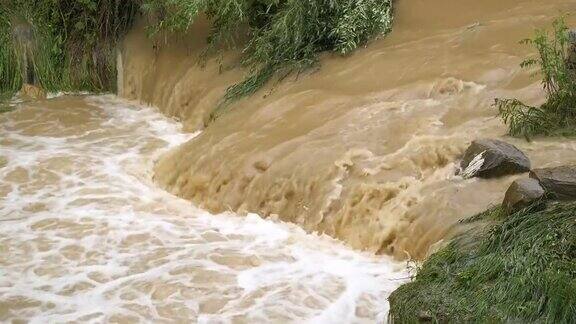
(86, 236)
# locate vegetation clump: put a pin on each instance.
(557, 63)
(62, 44)
(519, 269)
(10, 77)
(283, 35)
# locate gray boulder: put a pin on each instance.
(521, 194)
(488, 158)
(571, 57)
(559, 182)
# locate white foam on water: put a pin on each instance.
(86, 236)
(52, 95)
(474, 166)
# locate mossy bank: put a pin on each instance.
(519, 268)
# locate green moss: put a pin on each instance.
(557, 64)
(520, 268)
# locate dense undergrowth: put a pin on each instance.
(63, 44)
(10, 76)
(519, 269)
(557, 63)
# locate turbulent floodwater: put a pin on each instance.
(85, 236)
(366, 147)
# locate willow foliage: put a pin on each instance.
(557, 66)
(74, 39)
(284, 35)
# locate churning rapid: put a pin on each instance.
(86, 236)
(365, 148)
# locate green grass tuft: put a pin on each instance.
(557, 63)
(520, 268)
(10, 77)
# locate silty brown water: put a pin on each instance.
(86, 236)
(365, 148)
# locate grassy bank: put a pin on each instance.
(62, 44)
(73, 42)
(520, 268)
(10, 77)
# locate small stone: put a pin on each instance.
(572, 36)
(488, 158)
(425, 316)
(521, 194)
(560, 182)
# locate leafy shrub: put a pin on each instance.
(557, 63)
(284, 35)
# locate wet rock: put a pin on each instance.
(425, 316)
(30, 91)
(487, 158)
(572, 36)
(521, 194)
(560, 182)
(571, 58)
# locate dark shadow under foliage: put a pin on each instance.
(520, 268)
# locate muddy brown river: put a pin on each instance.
(301, 204)
(85, 235)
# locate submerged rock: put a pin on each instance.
(30, 91)
(558, 181)
(487, 158)
(521, 194)
(572, 36)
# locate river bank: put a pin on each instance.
(506, 268)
